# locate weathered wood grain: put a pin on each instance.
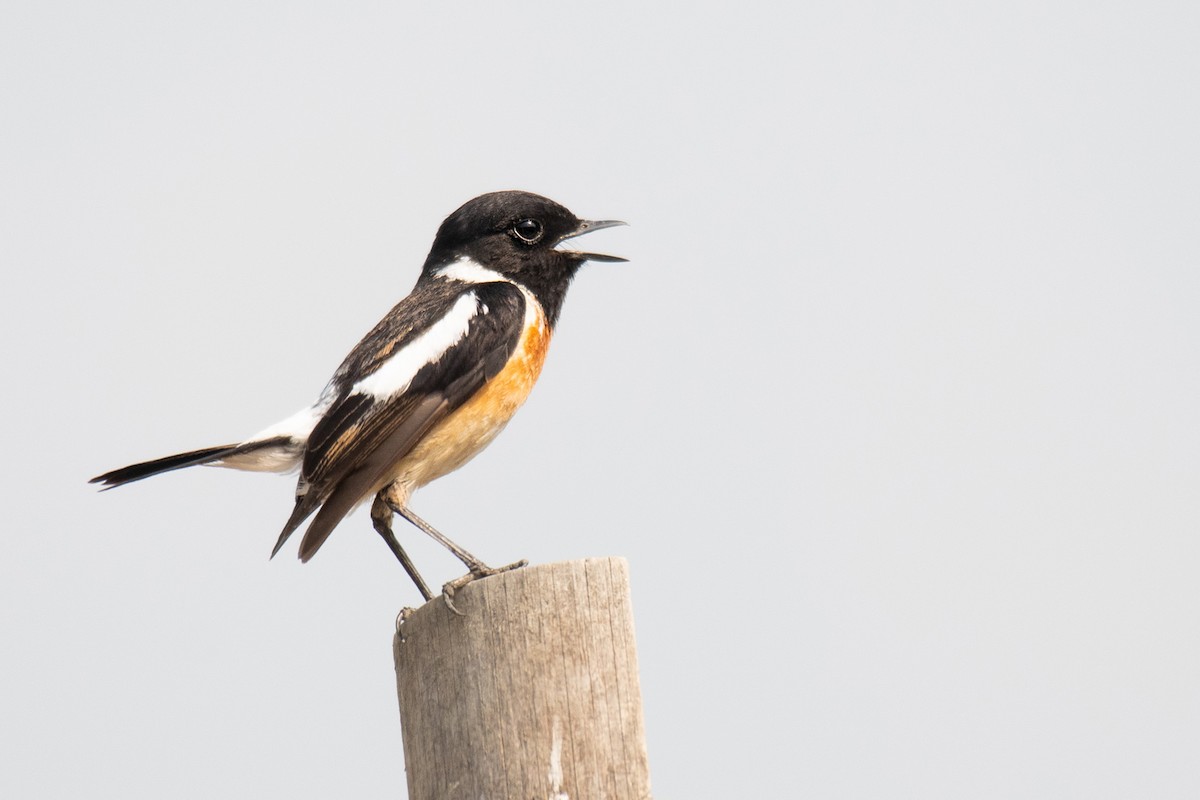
(532, 694)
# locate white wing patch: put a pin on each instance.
(395, 374)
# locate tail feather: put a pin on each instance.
(280, 461)
(135, 472)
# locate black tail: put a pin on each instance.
(135, 472)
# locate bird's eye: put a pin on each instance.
(529, 231)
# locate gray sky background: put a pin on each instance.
(893, 412)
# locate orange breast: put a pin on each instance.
(471, 427)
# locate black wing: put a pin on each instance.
(361, 437)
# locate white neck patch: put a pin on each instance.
(468, 270)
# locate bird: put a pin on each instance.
(429, 387)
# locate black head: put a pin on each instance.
(516, 234)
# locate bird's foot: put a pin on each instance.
(481, 570)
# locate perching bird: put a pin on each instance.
(430, 386)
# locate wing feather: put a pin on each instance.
(362, 437)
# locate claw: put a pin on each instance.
(401, 618)
(480, 571)
(448, 598)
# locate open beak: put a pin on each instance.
(587, 226)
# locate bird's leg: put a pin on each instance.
(477, 568)
(381, 517)
(471, 562)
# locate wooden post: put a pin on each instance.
(532, 693)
